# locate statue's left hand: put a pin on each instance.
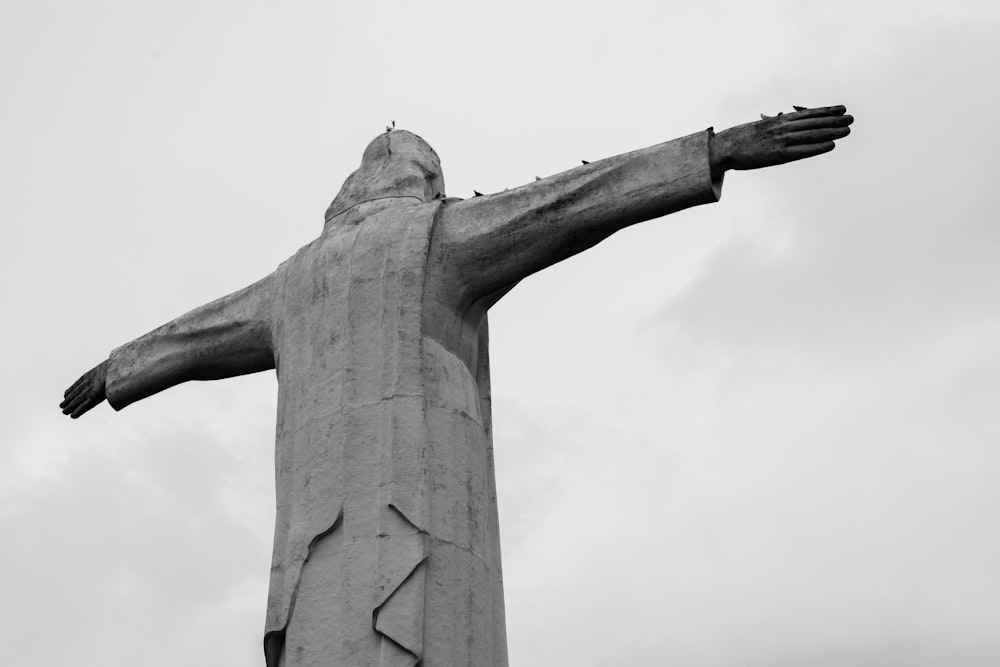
(779, 139)
(86, 392)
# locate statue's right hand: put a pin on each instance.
(86, 392)
(775, 140)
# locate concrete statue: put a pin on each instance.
(386, 545)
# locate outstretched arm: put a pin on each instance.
(227, 337)
(488, 243)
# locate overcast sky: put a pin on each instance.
(758, 432)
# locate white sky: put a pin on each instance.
(759, 432)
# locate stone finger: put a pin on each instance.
(84, 407)
(73, 403)
(801, 151)
(84, 397)
(816, 136)
(74, 396)
(816, 123)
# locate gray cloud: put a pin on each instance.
(144, 531)
(855, 370)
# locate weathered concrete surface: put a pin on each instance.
(386, 547)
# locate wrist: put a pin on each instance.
(719, 152)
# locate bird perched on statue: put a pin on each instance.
(390, 128)
(584, 162)
(782, 113)
(477, 193)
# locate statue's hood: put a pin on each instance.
(396, 164)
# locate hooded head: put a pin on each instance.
(396, 164)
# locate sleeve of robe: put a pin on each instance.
(227, 337)
(493, 241)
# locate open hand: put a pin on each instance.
(780, 139)
(86, 392)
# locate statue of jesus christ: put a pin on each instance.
(386, 546)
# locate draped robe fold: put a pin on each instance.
(386, 546)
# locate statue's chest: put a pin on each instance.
(361, 285)
(359, 291)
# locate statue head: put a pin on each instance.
(396, 164)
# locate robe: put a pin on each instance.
(386, 545)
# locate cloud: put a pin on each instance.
(843, 351)
(159, 528)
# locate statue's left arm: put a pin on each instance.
(492, 241)
(227, 337)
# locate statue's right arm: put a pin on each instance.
(227, 337)
(490, 242)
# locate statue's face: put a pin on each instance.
(395, 164)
